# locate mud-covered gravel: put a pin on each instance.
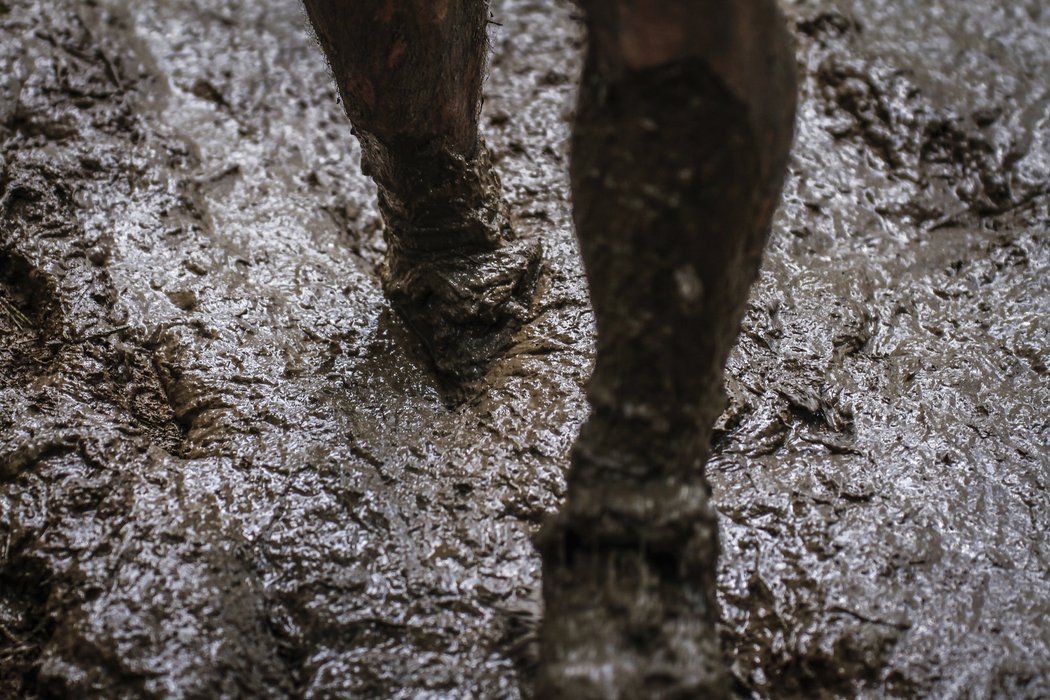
(227, 470)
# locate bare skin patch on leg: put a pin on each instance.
(651, 33)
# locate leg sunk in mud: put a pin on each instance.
(685, 119)
(410, 74)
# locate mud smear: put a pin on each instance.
(225, 466)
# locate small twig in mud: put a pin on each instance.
(12, 636)
(17, 316)
(103, 334)
(153, 339)
(951, 219)
(16, 651)
(901, 625)
(363, 453)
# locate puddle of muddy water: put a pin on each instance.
(225, 468)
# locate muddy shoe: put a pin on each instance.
(627, 622)
(465, 307)
(666, 657)
(629, 577)
(454, 270)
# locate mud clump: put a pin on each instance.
(265, 493)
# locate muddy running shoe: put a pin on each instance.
(454, 270)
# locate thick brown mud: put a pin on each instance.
(226, 468)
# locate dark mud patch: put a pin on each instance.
(24, 624)
(28, 316)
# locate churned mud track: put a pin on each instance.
(225, 467)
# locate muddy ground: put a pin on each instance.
(226, 468)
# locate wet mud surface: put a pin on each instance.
(227, 469)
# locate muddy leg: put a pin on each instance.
(683, 128)
(410, 74)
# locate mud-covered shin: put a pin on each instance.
(682, 133)
(410, 75)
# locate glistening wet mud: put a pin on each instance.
(226, 468)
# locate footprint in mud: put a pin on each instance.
(82, 415)
(29, 318)
(24, 624)
(47, 335)
(29, 314)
